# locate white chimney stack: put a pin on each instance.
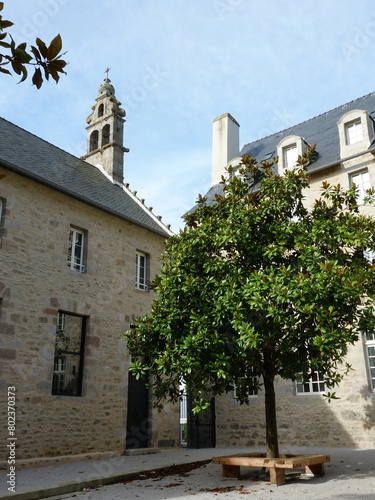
(225, 144)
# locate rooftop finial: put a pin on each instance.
(107, 71)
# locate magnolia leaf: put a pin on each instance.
(53, 73)
(37, 78)
(24, 74)
(54, 48)
(5, 24)
(17, 66)
(42, 47)
(26, 58)
(36, 53)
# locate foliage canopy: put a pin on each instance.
(257, 283)
(45, 59)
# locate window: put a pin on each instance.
(362, 181)
(269, 156)
(141, 271)
(314, 385)
(68, 360)
(252, 388)
(370, 351)
(76, 250)
(290, 156)
(100, 110)
(354, 132)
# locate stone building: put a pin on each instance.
(345, 139)
(77, 252)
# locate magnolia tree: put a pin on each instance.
(258, 284)
(45, 60)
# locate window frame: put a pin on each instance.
(361, 188)
(290, 160)
(60, 364)
(310, 383)
(80, 266)
(370, 345)
(353, 130)
(141, 278)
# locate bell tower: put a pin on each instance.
(105, 133)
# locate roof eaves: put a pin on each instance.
(164, 230)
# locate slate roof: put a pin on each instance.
(321, 130)
(35, 158)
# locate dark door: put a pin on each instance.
(138, 424)
(201, 427)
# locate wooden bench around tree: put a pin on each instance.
(314, 464)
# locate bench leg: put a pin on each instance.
(277, 476)
(316, 470)
(231, 471)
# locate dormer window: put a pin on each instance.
(356, 132)
(353, 132)
(288, 151)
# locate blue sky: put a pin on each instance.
(176, 65)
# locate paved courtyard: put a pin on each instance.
(189, 474)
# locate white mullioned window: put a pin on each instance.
(354, 132)
(362, 181)
(76, 250)
(314, 385)
(141, 271)
(370, 351)
(290, 156)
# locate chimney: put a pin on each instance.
(225, 144)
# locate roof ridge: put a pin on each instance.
(308, 120)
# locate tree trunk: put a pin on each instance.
(271, 420)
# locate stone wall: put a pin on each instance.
(35, 283)
(305, 419)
